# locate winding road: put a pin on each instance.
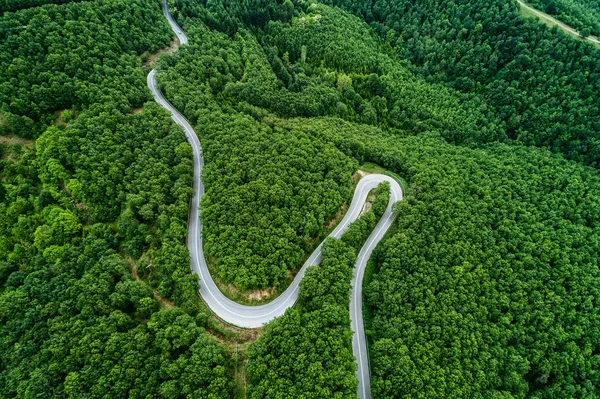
(257, 316)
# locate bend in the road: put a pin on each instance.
(257, 316)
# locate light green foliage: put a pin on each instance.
(88, 326)
(60, 225)
(77, 304)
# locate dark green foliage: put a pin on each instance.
(541, 82)
(491, 281)
(350, 77)
(229, 16)
(132, 169)
(256, 234)
(73, 321)
(86, 328)
(308, 351)
(55, 57)
(269, 193)
(353, 238)
(495, 258)
(489, 286)
(357, 232)
(14, 5)
(136, 166)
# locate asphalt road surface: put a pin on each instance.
(257, 316)
(181, 36)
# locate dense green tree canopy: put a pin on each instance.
(486, 287)
(541, 82)
(580, 14)
(75, 318)
(14, 5)
(532, 84)
(60, 56)
(95, 291)
(489, 286)
(308, 351)
(269, 192)
(494, 288)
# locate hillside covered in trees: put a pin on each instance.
(583, 15)
(58, 57)
(487, 285)
(96, 297)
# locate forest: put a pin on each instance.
(308, 351)
(583, 15)
(489, 286)
(534, 85)
(59, 57)
(96, 295)
(486, 286)
(540, 82)
(268, 192)
(15, 5)
(80, 315)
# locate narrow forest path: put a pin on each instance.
(257, 316)
(556, 22)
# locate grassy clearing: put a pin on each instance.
(148, 60)
(64, 117)
(11, 147)
(12, 140)
(527, 13)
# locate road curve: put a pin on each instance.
(563, 26)
(181, 36)
(257, 316)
